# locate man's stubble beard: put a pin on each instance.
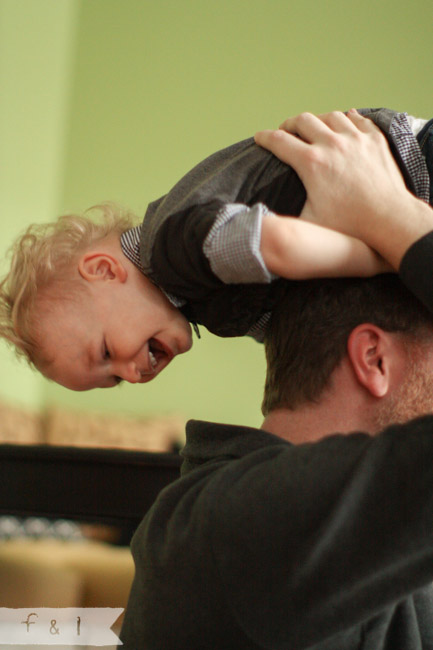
(413, 398)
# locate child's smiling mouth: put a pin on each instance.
(153, 361)
(159, 357)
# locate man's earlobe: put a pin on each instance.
(101, 266)
(368, 349)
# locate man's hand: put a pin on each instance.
(345, 164)
(352, 180)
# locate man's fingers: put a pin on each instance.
(285, 146)
(362, 123)
(313, 128)
(308, 126)
(337, 122)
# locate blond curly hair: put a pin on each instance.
(42, 258)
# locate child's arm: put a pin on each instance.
(352, 180)
(298, 250)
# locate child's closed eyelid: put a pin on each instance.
(105, 351)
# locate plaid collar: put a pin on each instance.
(130, 244)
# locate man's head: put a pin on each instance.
(374, 326)
(78, 310)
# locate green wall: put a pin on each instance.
(139, 91)
(36, 56)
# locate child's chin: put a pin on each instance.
(186, 346)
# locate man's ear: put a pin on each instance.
(370, 350)
(96, 266)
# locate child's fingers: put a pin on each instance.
(285, 146)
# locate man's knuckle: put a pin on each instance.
(378, 136)
(277, 136)
(314, 158)
(305, 117)
(336, 141)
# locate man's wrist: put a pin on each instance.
(392, 233)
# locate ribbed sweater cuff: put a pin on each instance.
(416, 269)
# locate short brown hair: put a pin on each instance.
(309, 328)
(42, 257)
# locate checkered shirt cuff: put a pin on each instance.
(411, 155)
(232, 245)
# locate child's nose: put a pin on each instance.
(129, 372)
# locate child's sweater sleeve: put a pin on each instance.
(201, 242)
(206, 231)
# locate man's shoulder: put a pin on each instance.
(211, 441)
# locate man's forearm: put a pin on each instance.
(394, 231)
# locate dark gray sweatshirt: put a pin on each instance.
(263, 544)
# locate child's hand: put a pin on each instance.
(353, 182)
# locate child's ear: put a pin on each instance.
(370, 350)
(101, 266)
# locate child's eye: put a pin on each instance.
(106, 352)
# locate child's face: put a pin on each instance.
(111, 331)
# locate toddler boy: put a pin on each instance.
(91, 305)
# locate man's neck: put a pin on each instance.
(341, 409)
(303, 425)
